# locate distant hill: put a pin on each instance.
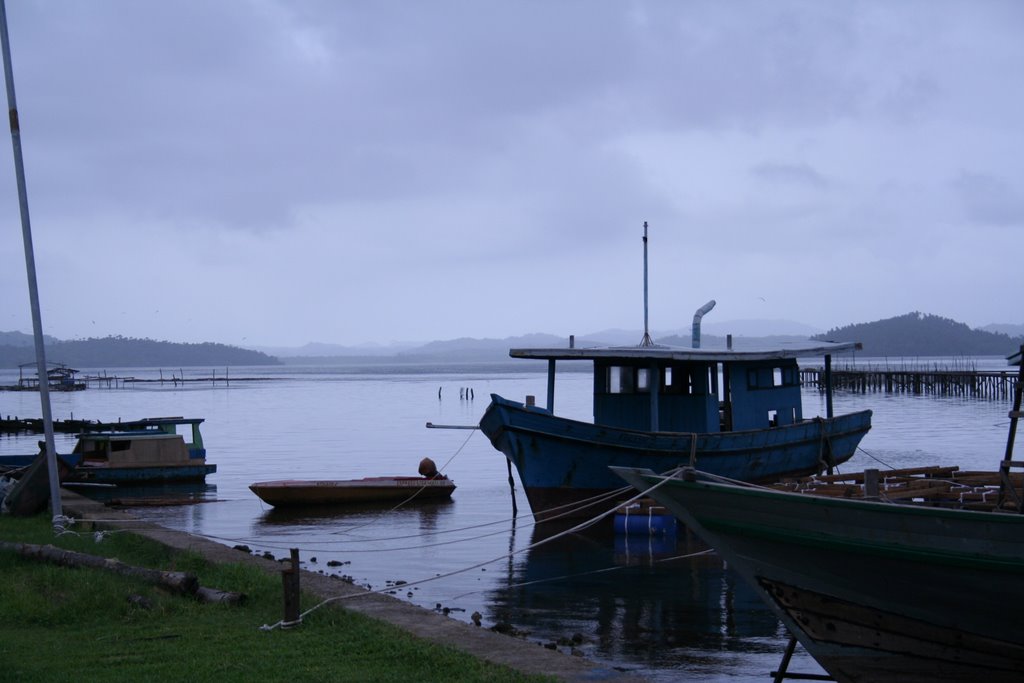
(127, 352)
(1005, 328)
(22, 339)
(739, 343)
(321, 350)
(759, 328)
(919, 334)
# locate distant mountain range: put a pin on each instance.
(762, 329)
(1009, 330)
(911, 335)
(126, 352)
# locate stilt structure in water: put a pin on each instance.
(986, 384)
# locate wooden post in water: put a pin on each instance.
(871, 484)
(828, 386)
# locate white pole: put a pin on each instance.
(646, 341)
(30, 267)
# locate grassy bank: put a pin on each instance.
(62, 624)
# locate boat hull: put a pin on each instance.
(139, 475)
(562, 462)
(76, 472)
(295, 493)
(874, 591)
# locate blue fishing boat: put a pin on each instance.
(736, 414)
(137, 452)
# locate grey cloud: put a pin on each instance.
(790, 174)
(990, 200)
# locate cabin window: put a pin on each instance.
(758, 378)
(773, 418)
(643, 380)
(675, 381)
(620, 380)
(120, 445)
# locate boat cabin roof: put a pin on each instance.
(127, 436)
(683, 354)
(159, 421)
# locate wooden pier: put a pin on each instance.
(986, 384)
(105, 381)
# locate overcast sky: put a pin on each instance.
(278, 172)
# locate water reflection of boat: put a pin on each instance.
(628, 603)
(151, 495)
(356, 513)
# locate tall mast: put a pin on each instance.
(646, 341)
(30, 267)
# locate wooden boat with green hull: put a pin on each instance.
(144, 451)
(909, 578)
(875, 590)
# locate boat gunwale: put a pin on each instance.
(810, 498)
(366, 482)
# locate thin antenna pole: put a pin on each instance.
(646, 341)
(30, 267)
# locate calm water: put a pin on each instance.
(632, 604)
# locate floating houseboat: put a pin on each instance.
(59, 377)
(137, 452)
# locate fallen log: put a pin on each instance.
(181, 583)
(212, 595)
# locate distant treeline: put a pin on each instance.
(128, 352)
(919, 334)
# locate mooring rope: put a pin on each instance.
(592, 572)
(579, 527)
(876, 459)
(332, 545)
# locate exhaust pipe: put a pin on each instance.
(696, 322)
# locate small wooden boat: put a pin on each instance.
(294, 493)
